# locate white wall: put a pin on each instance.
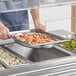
(54, 18)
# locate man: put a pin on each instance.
(15, 21)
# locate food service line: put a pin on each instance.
(56, 56)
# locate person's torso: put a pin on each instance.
(15, 20)
(12, 4)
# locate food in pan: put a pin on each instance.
(36, 38)
(9, 59)
(71, 44)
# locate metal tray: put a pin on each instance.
(66, 48)
(1, 67)
(63, 33)
(54, 37)
(40, 54)
(7, 66)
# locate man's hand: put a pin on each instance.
(4, 31)
(36, 19)
(40, 27)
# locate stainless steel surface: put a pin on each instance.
(47, 53)
(37, 70)
(67, 49)
(53, 60)
(62, 33)
(55, 37)
(62, 70)
(2, 42)
(71, 36)
(15, 55)
(39, 54)
(3, 0)
(21, 50)
(1, 66)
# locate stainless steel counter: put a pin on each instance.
(52, 61)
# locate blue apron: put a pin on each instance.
(15, 21)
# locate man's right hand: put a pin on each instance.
(4, 31)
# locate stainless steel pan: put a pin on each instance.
(54, 37)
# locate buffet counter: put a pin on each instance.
(49, 59)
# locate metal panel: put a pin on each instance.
(14, 55)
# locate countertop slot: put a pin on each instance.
(45, 54)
